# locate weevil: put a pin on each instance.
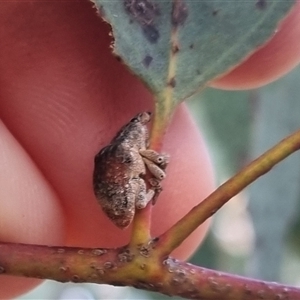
(120, 168)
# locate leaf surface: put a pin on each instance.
(177, 46)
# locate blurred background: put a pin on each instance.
(257, 234)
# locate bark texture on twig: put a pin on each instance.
(139, 268)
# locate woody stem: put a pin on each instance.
(172, 238)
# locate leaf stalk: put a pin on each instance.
(173, 237)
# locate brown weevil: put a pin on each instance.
(119, 171)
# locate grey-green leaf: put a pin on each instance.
(177, 46)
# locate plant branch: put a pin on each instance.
(142, 220)
(141, 226)
(137, 268)
(172, 238)
(145, 263)
(164, 110)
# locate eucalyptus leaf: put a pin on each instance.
(177, 46)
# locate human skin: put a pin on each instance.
(63, 97)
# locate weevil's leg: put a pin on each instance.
(156, 163)
(160, 159)
(156, 187)
(143, 197)
(154, 169)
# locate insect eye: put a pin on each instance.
(160, 159)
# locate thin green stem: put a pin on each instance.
(172, 238)
(141, 226)
(142, 221)
(164, 110)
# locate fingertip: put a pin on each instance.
(29, 209)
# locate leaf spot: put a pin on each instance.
(179, 12)
(118, 58)
(261, 4)
(172, 82)
(142, 11)
(191, 46)
(147, 61)
(175, 48)
(151, 33)
(215, 12)
(101, 11)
